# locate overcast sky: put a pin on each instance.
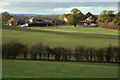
(56, 7)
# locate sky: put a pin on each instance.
(56, 7)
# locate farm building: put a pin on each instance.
(36, 21)
(11, 22)
(90, 19)
(57, 22)
(33, 20)
(65, 19)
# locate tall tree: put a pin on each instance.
(106, 16)
(5, 17)
(74, 18)
(75, 10)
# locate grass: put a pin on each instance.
(61, 36)
(48, 69)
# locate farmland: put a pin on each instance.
(47, 69)
(62, 36)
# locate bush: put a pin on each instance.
(58, 52)
(13, 49)
(109, 25)
(109, 53)
(100, 54)
(79, 53)
(66, 55)
(38, 50)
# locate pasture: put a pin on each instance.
(55, 69)
(61, 36)
(67, 37)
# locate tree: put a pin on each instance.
(37, 50)
(117, 15)
(74, 18)
(79, 53)
(106, 16)
(58, 52)
(111, 13)
(14, 49)
(75, 10)
(5, 17)
(66, 54)
(100, 55)
(116, 21)
(109, 53)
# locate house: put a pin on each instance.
(11, 22)
(65, 19)
(57, 22)
(90, 19)
(33, 20)
(41, 21)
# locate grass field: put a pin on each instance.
(60, 36)
(48, 69)
(64, 36)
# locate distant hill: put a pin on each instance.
(35, 14)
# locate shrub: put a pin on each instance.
(58, 52)
(38, 50)
(87, 54)
(109, 25)
(100, 54)
(66, 54)
(79, 53)
(109, 53)
(13, 49)
(91, 51)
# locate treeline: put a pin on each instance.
(16, 50)
(107, 19)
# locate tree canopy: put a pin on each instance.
(6, 16)
(73, 19)
(75, 10)
(106, 16)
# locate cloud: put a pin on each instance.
(4, 10)
(94, 10)
(56, 8)
(4, 3)
(60, 0)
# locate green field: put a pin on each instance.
(68, 37)
(62, 36)
(48, 69)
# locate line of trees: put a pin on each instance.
(107, 19)
(16, 50)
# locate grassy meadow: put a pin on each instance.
(62, 36)
(54, 69)
(68, 37)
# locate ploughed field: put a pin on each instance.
(61, 36)
(56, 69)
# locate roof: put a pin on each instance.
(11, 20)
(91, 17)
